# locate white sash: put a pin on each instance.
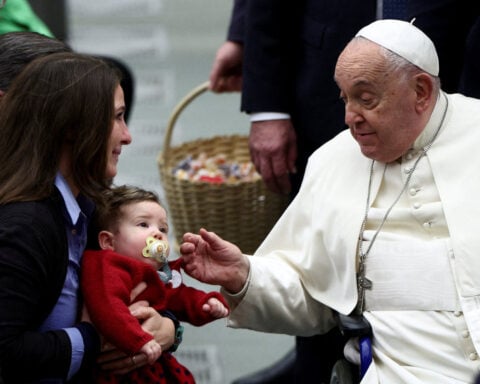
(410, 275)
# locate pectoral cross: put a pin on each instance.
(363, 283)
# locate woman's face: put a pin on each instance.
(119, 136)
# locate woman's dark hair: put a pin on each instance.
(62, 101)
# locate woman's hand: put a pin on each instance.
(113, 360)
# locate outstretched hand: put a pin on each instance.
(212, 260)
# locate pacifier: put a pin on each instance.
(156, 249)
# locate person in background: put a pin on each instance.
(282, 58)
(388, 233)
(134, 248)
(63, 130)
(18, 16)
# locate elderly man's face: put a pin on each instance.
(379, 104)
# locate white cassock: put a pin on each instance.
(424, 307)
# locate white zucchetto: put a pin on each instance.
(406, 40)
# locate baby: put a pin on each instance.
(133, 228)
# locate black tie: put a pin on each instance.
(395, 9)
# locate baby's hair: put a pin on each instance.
(117, 197)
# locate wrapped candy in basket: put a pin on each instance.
(211, 183)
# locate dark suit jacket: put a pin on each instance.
(33, 266)
(290, 52)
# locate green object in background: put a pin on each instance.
(18, 15)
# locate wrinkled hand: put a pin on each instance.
(215, 308)
(273, 149)
(226, 73)
(152, 350)
(212, 260)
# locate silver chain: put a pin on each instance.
(363, 282)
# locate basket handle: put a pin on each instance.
(187, 99)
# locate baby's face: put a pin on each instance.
(140, 221)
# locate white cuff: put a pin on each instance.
(263, 116)
(235, 298)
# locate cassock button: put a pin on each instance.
(473, 356)
(465, 334)
(417, 205)
(457, 313)
(412, 191)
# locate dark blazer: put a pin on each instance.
(33, 266)
(290, 52)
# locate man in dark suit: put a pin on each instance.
(289, 59)
(289, 54)
(289, 50)
(281, 55)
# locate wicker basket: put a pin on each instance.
(242, 213)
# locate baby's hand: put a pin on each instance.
(216, 308)
(152, 350)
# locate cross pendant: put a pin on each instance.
(363, 283)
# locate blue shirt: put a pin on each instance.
(65, 314)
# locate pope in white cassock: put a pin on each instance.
(386, 223)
